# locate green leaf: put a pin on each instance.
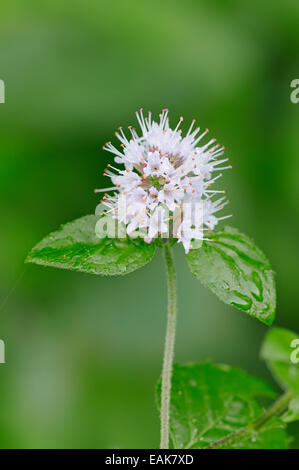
(75, 246)
(210, 402)
(238, 272)
(280, 350)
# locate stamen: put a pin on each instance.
(105, 189)
(225, 217)
(191, 127)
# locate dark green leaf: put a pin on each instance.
(209, 402)
(237, 271)
(281, 352)
(75, 246)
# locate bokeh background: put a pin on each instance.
(84, 353)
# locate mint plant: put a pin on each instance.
(163, 196)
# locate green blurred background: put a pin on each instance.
(84, 353)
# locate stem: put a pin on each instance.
(169, 347)
(275, 409)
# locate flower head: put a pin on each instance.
(164, 185)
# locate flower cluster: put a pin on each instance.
(165, 183)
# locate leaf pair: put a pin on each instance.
(229, 263)
(213, 403)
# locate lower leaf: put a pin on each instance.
(280, 350)
(210, 402)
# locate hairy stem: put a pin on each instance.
(275, 409)
(169, 347)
